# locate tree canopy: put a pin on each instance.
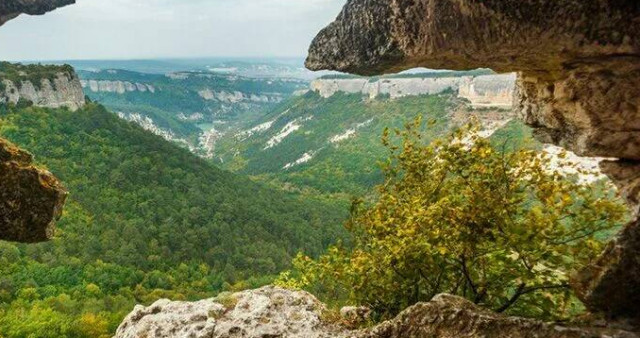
(464, 216)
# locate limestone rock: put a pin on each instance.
(593, 111)
(449, 316)
(30, 199)
(10, 9)
(355, 314)
(275, 312)
(265, 312)
(370, 37)
(64, 91)
(625, 175)
(481, 91)
(611, 283)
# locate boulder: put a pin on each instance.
(267, 312)
(31, 199)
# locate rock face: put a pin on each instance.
(265, 312)
(119, 87)
(64, 90)
(275, 312)
(578, 65)
(449, 316)
(375, 36)
(10, 9)
(481, 91)
(30, 199)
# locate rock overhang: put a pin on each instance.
(10, 9)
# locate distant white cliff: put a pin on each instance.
(119, 87)
(481, 91)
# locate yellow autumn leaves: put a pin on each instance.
(462, 216)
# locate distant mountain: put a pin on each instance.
(333, 144)
(180, 106)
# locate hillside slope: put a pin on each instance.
(183, 104)
(145, 219)
(333, 144)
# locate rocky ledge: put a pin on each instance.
(30, 199)
(578, 86)
(265, 312)
(62, 90)
(10, 9)
(271, 312)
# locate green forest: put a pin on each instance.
(349, 167)
(180, 94)
(145, 220)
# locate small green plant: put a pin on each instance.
(228, 300)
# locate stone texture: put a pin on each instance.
(370, 37)
(593, 111)
(262, 313)
(64, 91)
(578, 64)
(30, 199)
(10, 9)
(275, 312)
(626, 175)
(448, 316)
(611, 283)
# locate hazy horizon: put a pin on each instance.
(168, 29)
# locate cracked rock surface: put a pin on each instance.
(31, 199)
(271, 312)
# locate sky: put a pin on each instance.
(143, 29)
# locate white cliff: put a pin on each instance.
(62, 91)
(481, 91)
(119, 87)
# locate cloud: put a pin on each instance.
(168, 28)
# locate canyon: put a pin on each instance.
(577, 86)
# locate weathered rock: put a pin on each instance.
(371, 37)
(578, 65)
(593, 111)
(64, 90)
(625, 175)
(275, 312)
(30, 199)
(10, 9)
(265, 312)
(449, 316)
(611, 283)
(355, 314)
